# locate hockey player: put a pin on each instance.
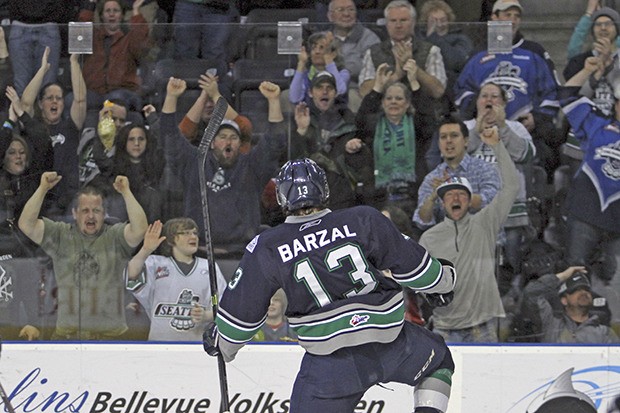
(173, 287)
(342, 272)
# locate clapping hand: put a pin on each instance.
(603, 46)
(383, 75)
(402, 53)
(593, 64)
(330, 52)
(208, 83)
(436, 181)
(411, 67)
(16, 103)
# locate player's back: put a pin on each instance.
(329, 266)
(332, 255)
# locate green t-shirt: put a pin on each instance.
(89, 274)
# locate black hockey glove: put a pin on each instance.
(209, 339)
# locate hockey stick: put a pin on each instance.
(5, 399)
(214, 124)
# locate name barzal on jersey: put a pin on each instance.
(313, 241)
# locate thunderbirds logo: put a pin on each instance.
(359, 319)
(180, 312)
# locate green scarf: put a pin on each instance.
(394, 152)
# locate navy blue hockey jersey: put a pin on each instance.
(342, 273)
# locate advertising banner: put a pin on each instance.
(182, 378)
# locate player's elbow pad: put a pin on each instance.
(447, 280)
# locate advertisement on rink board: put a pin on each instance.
(182, 378)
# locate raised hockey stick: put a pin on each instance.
(5, 399)
(214, 123)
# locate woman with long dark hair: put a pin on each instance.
(138, 157)
(24, 159)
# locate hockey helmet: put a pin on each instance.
(301, 183)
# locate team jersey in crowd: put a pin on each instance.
(527, 75)
(330, 267)
(168, 295)
(600, 140)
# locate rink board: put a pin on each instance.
(163, 378)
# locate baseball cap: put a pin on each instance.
(231, 124)
(576, 281)
(455, 182)
(609, 12)
(323, 76)
(501, 5)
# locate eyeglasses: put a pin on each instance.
(604, 24)
(52, 98)
(344, 9)
(188, 233)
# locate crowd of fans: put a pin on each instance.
(102, 234)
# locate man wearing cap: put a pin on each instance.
(235, 181)
(322, 131)
(599, 87)
(481, 176)
(469, 242)
(528, 77)
(593, 200)
(577, 322)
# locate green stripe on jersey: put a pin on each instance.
(233, 332)
(349, 322)
(425, 279)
